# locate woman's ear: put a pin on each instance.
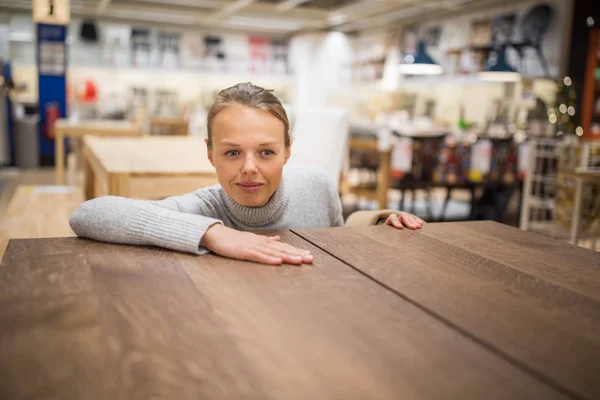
(209, 152)
(288, 151)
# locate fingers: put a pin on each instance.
(405, 220)
(263, 257)
(291, 254)
(412, 221)
(291, 250)
(272, 251)
(415, 222)
(394, 221)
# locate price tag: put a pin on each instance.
(402, 155)
(384, 138)
(481, 158)
(523, 159)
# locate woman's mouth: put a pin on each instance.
(250, 187)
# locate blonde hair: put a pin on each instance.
(248, 95)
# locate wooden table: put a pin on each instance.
(173, 125)
(146, 167)
(472, 310)
(63, 128)
(39, 211)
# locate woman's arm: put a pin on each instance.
(187, 223)
(177, 223)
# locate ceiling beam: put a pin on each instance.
(287, 5)
(227, 10)
(157, 9)
(102, 5)
(380, 22)
(212, 4)
(361, 12)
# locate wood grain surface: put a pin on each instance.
(51, 342)
(125, 322)
(537, 307)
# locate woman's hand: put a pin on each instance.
(404, 219)
(231, 243)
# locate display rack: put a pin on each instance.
(539, 187)
(561, 197)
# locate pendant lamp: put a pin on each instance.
(501, 71)
(420, 63)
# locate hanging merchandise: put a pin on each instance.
(88, 31)
(259, 54)
(279, 55)
(192, 50)
(141, 48)
(117, 45)
(214, 54)
(402, 155)
(168, 49)
(481, 159)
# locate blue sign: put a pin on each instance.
(52, 84)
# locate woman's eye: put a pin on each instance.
(266, 153)
(232, 153)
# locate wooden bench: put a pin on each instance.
(38, 212)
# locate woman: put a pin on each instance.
(248, 144)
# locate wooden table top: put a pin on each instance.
(167, 120)
(471, 310)
(100, 127)
(151, 154)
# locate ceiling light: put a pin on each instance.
(501, 71)
(420, 63)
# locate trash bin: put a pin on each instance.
(26, 143)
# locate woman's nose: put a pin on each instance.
(249, 166)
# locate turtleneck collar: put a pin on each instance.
(257, 216)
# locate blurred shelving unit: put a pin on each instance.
(380, 168)
(539, 187)
(561, 196)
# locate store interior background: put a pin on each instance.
(440, 133)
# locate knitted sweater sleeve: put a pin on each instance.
(176, 223)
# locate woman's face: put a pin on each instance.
(248, 152)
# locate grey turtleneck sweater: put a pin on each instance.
(305, 198)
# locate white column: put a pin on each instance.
(318, 60)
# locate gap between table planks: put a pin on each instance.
(130, 322)
(540, 310)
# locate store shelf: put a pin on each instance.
(369, 193)
(554, 230)
(544, 178)
(542, 203)
(284, 78)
